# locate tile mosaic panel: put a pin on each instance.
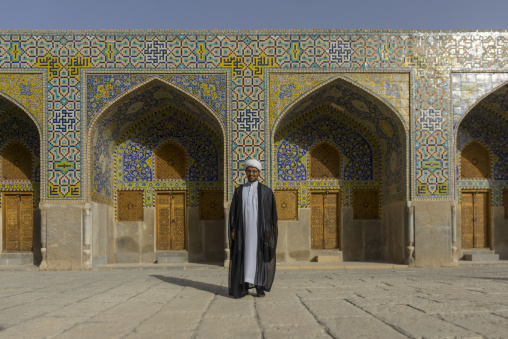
(105, 88)
(468, 88)
(248, 57)
(134, 155)
(376, 117)
(27, 90)
(359, 150)
(152, 98)
(490, 130)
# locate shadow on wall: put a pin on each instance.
(214, 289)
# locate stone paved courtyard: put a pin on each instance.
(460, 302)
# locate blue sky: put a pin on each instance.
(260, 14)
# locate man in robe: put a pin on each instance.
(253, 235)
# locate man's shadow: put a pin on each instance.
(214, 289)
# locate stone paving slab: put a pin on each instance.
(383, 303)
(361, 327)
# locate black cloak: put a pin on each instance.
(267, 241)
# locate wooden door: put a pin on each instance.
(325, 220)
(475, 219)
(18, 221)
(171, 220)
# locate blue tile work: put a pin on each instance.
(470, 88)
(152, 98)
(386, 126)
(105, 88)
(491, 130)
(248, 57)
(134, 155)
(360, 153)
(17, 126)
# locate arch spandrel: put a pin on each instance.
(26, 91)
(469, 89)
(290, 89)
(152, 97)
(209, 89)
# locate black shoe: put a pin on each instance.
(260, 292)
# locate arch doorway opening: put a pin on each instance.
(340, 177)
(157, 167)
(20, 184)
(482, 178)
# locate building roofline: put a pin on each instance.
(234, 31)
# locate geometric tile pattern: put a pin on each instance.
(152, 98)
(248, 58)
(382, 122)
(392, 87)
(468, 88)
(288, 88)
(27, 90)
(104, 88)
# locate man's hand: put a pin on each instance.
(233, 235)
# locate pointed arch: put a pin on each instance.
(479, 139)
(164, 95)
(170, 162)
(12, 104)
(299, 100)
(367, 109)
(131, 92)
(475, 162)
(20, 106)
(16, 162)
(475, 105)
(324, 162)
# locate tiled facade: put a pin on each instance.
(399, 105)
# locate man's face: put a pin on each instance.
(252, 174)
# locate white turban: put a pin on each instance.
(253, 163)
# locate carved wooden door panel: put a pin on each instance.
(325, 220)
(331, 221)
(18, 219)
(171, 220)
(466, 217)
(475, 219)
(316, 220)
(481, 211)
(178, 221)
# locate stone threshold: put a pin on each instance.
(172, 266)
(348, 265)
(280, 266)
(498, 263)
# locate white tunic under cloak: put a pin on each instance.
(250, 222)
